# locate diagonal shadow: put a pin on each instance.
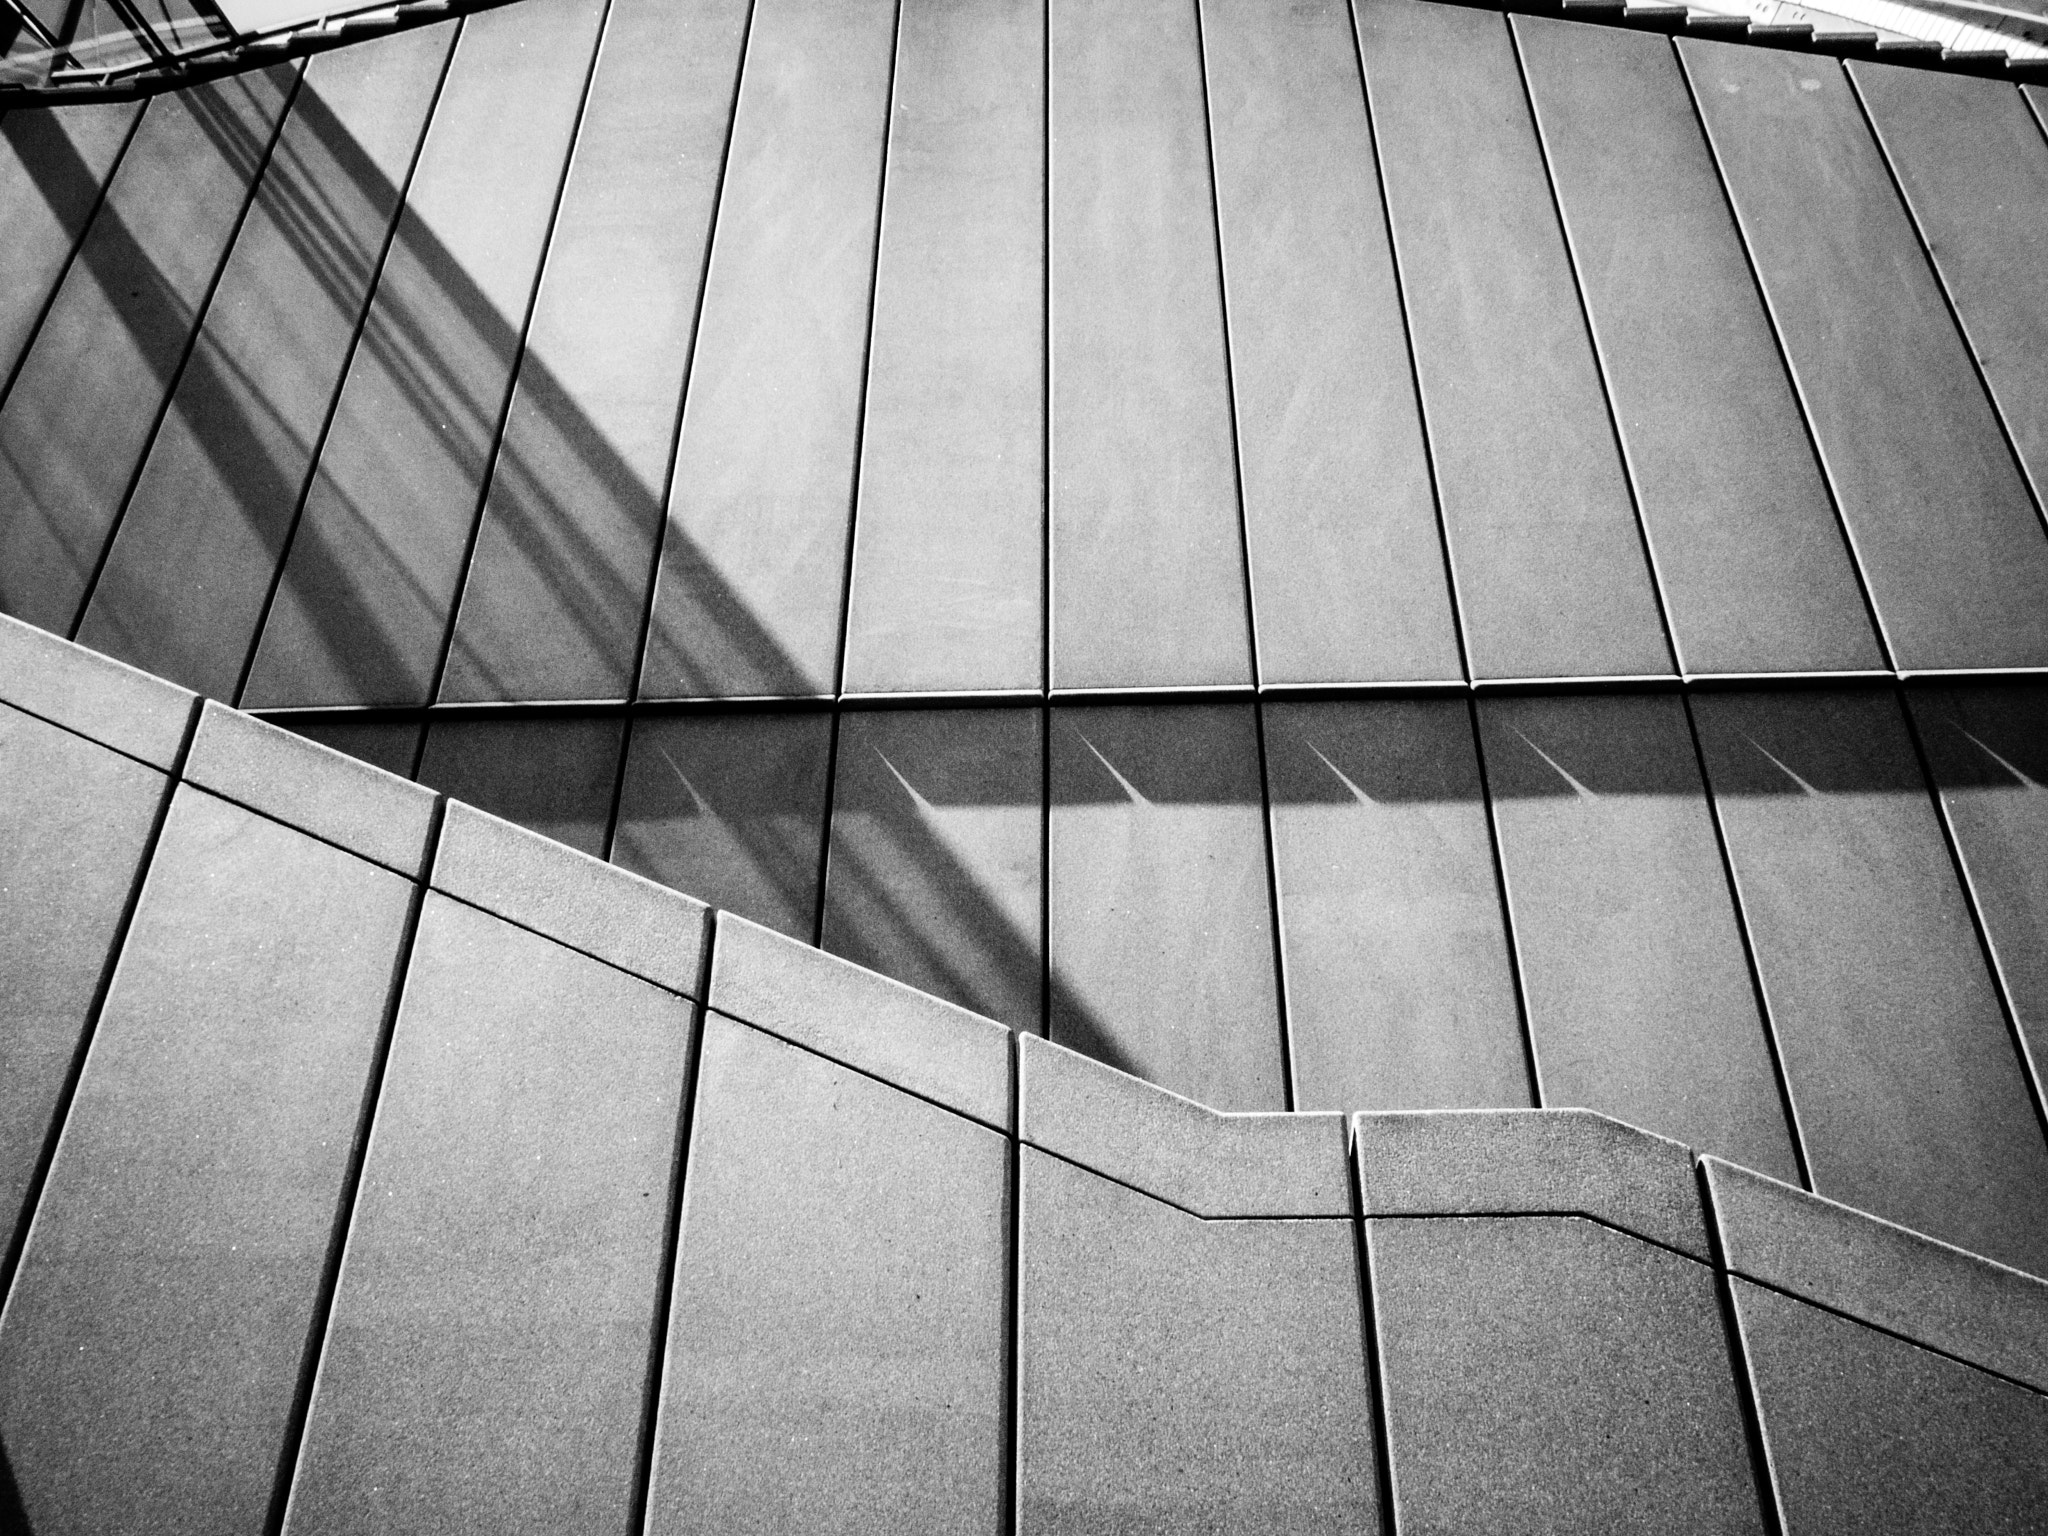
(593, 584)
(1009, 960)
(64, 499)
(222, 401)
(13, 1518)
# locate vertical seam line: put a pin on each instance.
(1948, 298)
(200, 314)
(318, 450)
(867, 362)
(2030, 1071)
(117, 944)
(1761, 1470)
(1786, 1100)
(1375, 1363)
(655, 1377)
(1244, 549)
(1424, 432)
(1507, 913)
(1798, 387)
(71, 255)
(489, 478)
(1658, 586)
(343, 1225)
(650, 591)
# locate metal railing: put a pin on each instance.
(83, 50)
(111, 49)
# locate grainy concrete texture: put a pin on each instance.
(1026, 766)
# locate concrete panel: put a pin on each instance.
(1531, 1162)
(934, 875)
(1880, 1274)
(1148, 580)
(1177, 1374)
(906, 1038)
(1902, 421)
(152, 1349)
(730, 808)
(1543, 540)
(362, 608)
(1754, 572)
(336, 798)
(493, 1324)
(1161, 925)
(949, 536)
(541, 884)
(836, 1334)
(1546, 1374)
(753, 562)
(1900, 1063)
(1347, 565)
(74, 824)
(87, 397)
(1400, 992)
(1216, 1166)
(1639, 993)
(1973, 164)
(1866, 1432)
(554, 776)
(557, 587)
(107, 701)
(53, 165)
(1988, 750)
(191, 566)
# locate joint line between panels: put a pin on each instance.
(1290, 1091)
(1422, 424)
(1658, 586)
(32, 1195)
(1739, 1366)
(71, 254)
(521, 356)
(1786, 1100)
(371, 290)
(1045, 350)
(419, 751)
(671, 988)
(840, 1064)
(1374, 1363)
(618, 799)
(1154, 1196)
(867, 361)
(1013, 1316)
(1890, 1333)
(1548, 1213)
(1792, 378)
(326, 840)
(825, 830)
(2030, 1069)
(655, 1377)
(1507, 915)
(1045, 984)
(675, 440)
(343, 1224)
(1244, 548)
(1244, 543)
(200, 314)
